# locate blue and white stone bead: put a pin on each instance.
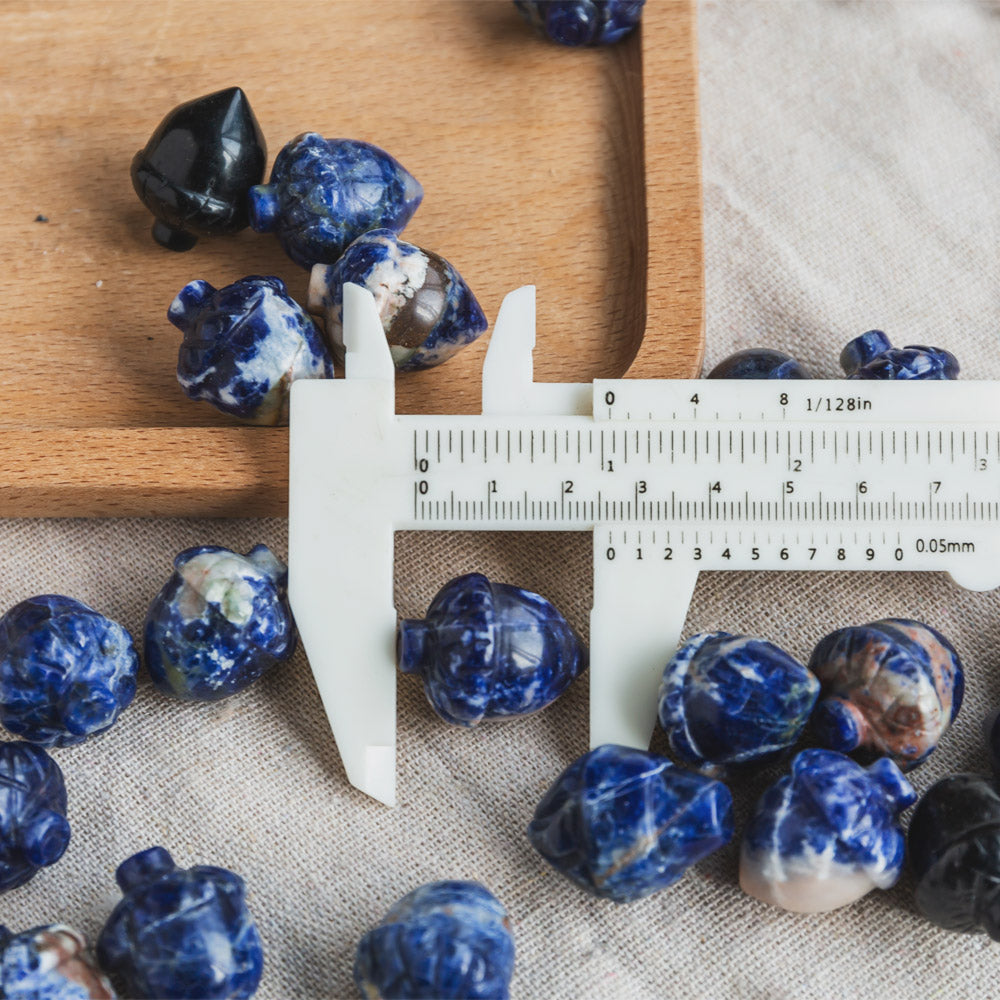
(244, 345)
(872, 356)
(759, 363)
(428, 312)
(324, 193)
(891, 688)
(826, 834)
(582, 22)
(34, 831)
(219, 623)
(490, 651)
(443, 941)
(732, 699)
(66, 671)
(624, 823)
(180, 933)
(49, 963)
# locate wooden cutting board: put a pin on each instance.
(576, 170)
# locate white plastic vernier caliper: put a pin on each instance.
(671, 476)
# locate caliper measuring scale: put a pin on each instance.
(671, 477)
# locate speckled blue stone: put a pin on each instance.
(731, 699)
(758, 363)
(324, 193)
(34, 831)
(66, 672)
(428, 312)
(872, 356)
(490, 651)
(49, 963)
(890, 688)
(244, 345)
(219, 622)
(180, 934)
(954, 849)
(624, 823)
(443, 941)
(582, 22)
(826, 834)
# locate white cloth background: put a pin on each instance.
(852, 173)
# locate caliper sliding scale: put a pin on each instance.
(671, 476)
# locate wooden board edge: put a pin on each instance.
(675, 279)
(144, 472)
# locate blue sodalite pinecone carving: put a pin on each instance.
(891, 688)
(443, 941)
(872, 356)
(826, 834)
(731, 699)
(954, 848)
(66, 672)
(490, 651)
(624, 823)
(244, 345)
(49, 963)
(180, 934)
(324, 193)
(428, 312)
(219, 622)
(759, 363)
(34, 831)
(582, 22)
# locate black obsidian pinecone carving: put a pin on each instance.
(195, 172)
(954, 848)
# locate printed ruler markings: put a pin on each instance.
(964, 506)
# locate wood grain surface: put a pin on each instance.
(573, 170)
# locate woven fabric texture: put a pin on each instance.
(852, 168)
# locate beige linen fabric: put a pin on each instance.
(852, 173)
